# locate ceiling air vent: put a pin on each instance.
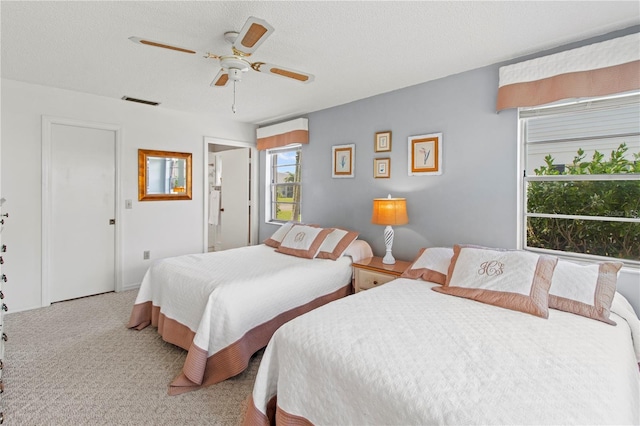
(140, 101)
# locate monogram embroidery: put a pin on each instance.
(491, 268)
(299, 237)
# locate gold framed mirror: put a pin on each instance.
(164, 175)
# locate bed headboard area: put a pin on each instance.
(438, 261)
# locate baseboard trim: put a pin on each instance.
(131, 286)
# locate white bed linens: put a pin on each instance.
(222, 307)
(222, 295)
(404, 354)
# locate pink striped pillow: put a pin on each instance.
(303, 241)
(431, 264)
(336, 243)
(511, 279)
(585, 290)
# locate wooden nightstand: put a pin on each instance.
(371, 272)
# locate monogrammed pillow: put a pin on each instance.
(336, 243)
(275, 239)
(431, 264)
(585, 290)
(303, 241)
(511, 279)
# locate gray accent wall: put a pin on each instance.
(474, 201)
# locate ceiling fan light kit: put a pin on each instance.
(243, 44)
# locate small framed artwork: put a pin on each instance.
(381, 168)
(343, 160)
(425, 154)
(383, 141)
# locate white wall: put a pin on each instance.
(166, 228)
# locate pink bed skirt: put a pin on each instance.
(199, 370)
(275, 416)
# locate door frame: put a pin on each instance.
(253, 190)
(47, 208)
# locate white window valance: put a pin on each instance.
(283, 134)
(599, 69)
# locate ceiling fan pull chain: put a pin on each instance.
(233, 106)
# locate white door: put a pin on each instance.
(82, 186)
(234, 205)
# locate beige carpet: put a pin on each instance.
(76, 363)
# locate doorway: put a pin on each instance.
(80, 220)
(231, 193)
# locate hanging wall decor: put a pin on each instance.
(383, 141)
(343, 161)
(425, 154)
(381, 168)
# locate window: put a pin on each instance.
(284, 189)
(581, 178)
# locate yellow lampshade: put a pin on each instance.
(389, 211)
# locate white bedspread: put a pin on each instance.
(222, 295)
(404, 354)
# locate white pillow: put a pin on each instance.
(512, 279)
(585, 290)
(431, 264)
(275, 239)
(303, 241)
(336, 243)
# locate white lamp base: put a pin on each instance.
(388, 241)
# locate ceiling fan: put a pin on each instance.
(243, 44)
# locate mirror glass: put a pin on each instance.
(164, 175)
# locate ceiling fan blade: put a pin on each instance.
(221, 79)
(148, 42)
(254, 32)
(300, 76)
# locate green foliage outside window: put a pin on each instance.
(603, 198)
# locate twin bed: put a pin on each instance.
(224, 306)
(550, 343)
(405, 354)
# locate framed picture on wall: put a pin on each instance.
(425, 154)
(383, 141)
(381, 168)
(343, 161)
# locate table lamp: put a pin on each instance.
(389, 211)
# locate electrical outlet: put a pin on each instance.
(146, 254)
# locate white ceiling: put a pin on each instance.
(355, 49)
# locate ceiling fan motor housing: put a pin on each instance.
(235, 66)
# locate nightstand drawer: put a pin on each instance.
(369, 279)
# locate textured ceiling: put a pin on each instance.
(354, 49)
